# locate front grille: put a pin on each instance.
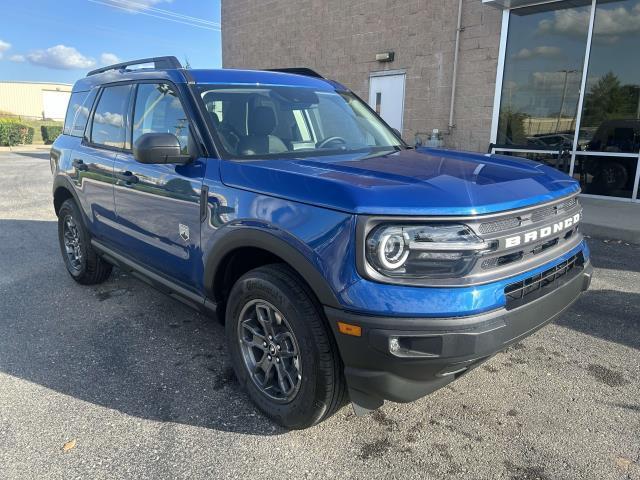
(536, 286)
(499, 225)
(536, 215)
(569, 203)
(543, 213)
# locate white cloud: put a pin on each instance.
(566, 22)
(542, 51)
(60, 57)
(17, 58)
(610, 24)
(4, 46)
(108, 118)
(109, 58)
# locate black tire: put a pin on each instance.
(88, 268)
(322, 388)
(614, 176)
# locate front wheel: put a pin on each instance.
(81, 260)
(281, 348)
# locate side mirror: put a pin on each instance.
(159, 148)
(397, 132)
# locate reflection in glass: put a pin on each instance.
(542, 75)
(561, 162)
(611, 113)
(108, 124)
(610, 176)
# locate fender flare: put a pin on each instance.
(62, 182)
(233, 237)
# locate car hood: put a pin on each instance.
(409, 182)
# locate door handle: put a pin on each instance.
(79, 165)
(127, 177)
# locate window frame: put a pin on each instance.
(190, 122)
(494, 148)
(193, 129)
(88, 94)
(88, 131)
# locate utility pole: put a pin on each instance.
(564, 95)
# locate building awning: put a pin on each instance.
(506, 4)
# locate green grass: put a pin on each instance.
(36, 124)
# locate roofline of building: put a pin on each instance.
(38, 83)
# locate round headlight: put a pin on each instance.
(392, 250)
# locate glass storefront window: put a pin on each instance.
(606, 175)
(611, 110)
(542, 75)
(541, 92)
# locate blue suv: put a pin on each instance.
(344, 264)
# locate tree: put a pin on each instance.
(609, 100)
(511, 131)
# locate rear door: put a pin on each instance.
(93, 159)
(158, 206)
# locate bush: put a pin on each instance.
(50, 133)
(12, 132)
(29, 137)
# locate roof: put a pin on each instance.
(208, 77)
(259, 77)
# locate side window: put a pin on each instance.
(110, 118)
(158, 110)
(77, 116)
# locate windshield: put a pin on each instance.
(279, 121)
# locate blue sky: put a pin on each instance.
(60, 41)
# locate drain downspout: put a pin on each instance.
(455, 67)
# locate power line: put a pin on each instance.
(197, 23)
(137, 7)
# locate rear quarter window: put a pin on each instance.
(78, 111)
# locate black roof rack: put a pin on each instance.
(158, 63)
(307, 72)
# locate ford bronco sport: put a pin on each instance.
(343, 263)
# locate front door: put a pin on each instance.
(158, 206)
(386, 97)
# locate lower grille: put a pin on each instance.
(532, 288)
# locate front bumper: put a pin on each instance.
(429, 353)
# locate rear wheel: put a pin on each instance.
(281, 348)
(81, 260)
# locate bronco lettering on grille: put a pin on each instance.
(542, 233)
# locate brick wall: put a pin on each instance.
(340, 38)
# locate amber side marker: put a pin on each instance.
(348, 329)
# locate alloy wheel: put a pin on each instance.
(72, 243)
(270, 350)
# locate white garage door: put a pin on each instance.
(54, 104)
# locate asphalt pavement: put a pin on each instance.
(138, 386)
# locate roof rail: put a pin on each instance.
(158, 63)
(307, 72)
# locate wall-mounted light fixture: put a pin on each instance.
(385, 56)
